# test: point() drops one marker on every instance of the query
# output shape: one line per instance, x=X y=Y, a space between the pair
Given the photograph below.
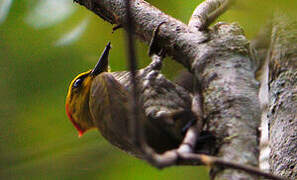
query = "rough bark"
x=230 y=98
x=283 y=98
x=221 y=61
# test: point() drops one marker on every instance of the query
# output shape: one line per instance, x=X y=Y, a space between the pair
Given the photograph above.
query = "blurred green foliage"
x=37 y=141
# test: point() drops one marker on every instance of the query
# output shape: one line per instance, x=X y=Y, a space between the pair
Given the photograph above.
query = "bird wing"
x=110 y=109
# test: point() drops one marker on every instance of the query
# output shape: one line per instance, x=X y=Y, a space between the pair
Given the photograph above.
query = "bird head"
x=77 y=100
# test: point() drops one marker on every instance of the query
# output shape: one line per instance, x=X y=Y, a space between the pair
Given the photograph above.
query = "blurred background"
x=44 y=44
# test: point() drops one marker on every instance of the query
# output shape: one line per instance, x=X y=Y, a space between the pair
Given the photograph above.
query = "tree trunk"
x=230 y=103
x=283 y=98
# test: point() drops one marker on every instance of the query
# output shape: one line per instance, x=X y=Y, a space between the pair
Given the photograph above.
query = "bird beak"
x=102 y=64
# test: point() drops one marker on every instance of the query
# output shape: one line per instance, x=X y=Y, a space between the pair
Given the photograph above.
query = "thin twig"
x=218 y=12
x=207 y=12
x=135 y=124
x=184 y=156
x=214 y=161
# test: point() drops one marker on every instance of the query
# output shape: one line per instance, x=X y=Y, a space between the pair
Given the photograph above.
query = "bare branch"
x=207 y=12
x=184 y=156
x=174 y=36
x=214 y=161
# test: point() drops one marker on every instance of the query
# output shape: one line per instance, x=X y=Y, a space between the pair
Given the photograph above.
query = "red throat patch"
x=80 y=131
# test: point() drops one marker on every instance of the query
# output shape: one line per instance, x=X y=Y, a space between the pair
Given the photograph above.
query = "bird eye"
x=77 y=83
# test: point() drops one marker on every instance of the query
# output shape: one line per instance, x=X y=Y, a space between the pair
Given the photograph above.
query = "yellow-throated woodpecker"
x=100 y=99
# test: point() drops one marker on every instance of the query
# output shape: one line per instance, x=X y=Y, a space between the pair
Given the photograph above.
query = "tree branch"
x=207 y=12
x=184 y=156
x=175 y=37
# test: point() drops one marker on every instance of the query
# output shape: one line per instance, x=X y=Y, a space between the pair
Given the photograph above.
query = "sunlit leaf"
x=73 y=35
x=4 y=9
x=47 y=13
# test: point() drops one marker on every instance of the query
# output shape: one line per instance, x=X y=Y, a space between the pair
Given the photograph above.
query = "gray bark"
x=230 y=98
x=283 y=98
